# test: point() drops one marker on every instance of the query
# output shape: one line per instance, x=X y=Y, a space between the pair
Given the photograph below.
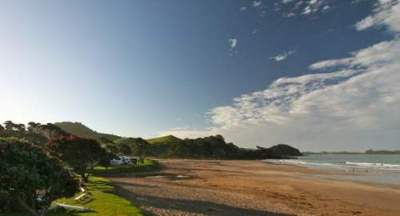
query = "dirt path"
x=191 y=187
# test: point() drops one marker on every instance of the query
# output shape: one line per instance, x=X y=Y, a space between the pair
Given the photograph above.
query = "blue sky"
x=144 y=68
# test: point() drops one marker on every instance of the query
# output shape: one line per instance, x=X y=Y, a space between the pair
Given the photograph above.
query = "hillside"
x=81 y=130
x=212 y=147
x=165 y=140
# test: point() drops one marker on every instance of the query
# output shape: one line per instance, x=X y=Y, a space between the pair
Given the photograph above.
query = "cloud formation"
x=302 y=7
x=351 y=104
x=232 y=43
x=257 y=3
x=314 y=6
x=387 y=13
x=283 y=56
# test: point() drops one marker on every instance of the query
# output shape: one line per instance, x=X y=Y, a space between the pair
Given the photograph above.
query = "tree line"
x=211 y=147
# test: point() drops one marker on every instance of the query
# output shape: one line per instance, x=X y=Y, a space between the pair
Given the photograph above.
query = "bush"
x=30 y=178
x=79 y=153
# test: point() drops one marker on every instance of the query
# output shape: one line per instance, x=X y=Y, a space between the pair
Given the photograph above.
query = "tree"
x=105 y=160
x=20 y=128
x=51 y=131
x=30 y=178
x=111 y=147
x=9 y=126
x=33 y=126
x=80 y=153
x=125 y=149
x=139 y=148
x=133 y=146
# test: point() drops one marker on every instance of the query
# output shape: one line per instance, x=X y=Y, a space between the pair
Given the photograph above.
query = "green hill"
x=81 y=130
x=165 y=140
x=212 y=147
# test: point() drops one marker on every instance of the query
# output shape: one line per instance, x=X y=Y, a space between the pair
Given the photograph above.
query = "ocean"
x=375 y=168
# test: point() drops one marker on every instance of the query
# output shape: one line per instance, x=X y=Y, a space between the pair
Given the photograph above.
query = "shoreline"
x=214 y=187
x=369 y=175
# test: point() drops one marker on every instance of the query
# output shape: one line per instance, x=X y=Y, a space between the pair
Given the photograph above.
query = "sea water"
x=376 y=168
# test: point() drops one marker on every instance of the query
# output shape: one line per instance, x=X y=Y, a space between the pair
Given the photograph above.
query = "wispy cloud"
x=313 y=6
x=303 y=7
x=286 y=1
x=352 y=107
x=232 y=43
x=387 y=13
x=283 y=56
x=257 y=3
x=331 y=63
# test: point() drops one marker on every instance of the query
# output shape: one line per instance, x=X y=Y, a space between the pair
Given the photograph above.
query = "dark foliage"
x=35 y=132
x=212 y=147
x=30 y=178
x=79 y=153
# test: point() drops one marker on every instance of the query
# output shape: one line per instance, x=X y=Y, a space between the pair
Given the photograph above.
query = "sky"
x=315 y=74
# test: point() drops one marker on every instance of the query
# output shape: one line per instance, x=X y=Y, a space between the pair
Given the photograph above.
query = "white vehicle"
x=121 y=160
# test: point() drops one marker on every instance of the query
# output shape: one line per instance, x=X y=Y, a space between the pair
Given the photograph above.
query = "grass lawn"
x=102 y=201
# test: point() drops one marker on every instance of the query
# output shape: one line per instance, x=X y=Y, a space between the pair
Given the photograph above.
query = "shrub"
x=30 y=178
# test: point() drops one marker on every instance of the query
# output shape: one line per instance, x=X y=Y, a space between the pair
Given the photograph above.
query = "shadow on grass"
x=100 y=186
x=191 y=206
x=121 y=183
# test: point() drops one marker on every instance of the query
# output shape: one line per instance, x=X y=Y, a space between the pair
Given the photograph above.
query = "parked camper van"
x=121 y=160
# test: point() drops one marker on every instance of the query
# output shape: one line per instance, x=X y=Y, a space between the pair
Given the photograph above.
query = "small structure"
x=121 y=160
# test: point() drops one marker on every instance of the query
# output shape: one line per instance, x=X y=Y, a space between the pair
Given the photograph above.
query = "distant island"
x=370 y=151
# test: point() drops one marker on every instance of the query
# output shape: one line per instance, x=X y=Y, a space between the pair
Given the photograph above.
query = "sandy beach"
x=214 y=187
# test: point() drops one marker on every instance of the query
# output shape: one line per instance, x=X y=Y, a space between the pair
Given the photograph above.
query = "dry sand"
x=214 y=187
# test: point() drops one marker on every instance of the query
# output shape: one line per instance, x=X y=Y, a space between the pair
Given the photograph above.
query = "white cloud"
x=286 y=1
x=365 y=23
x=314 y=6
x=326 y=7
x=330 y=63
x=354 y=107
x=257 y=3
x=303 y=7
x=386 y=13
x=232 y=43
x=243 y=8
x=283 y=56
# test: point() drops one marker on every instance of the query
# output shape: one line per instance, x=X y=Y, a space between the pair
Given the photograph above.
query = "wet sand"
x=214 y=187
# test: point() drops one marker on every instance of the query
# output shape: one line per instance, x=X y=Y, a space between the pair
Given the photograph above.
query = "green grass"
x=146 y=166
x=102 y=202
x=164 y=140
